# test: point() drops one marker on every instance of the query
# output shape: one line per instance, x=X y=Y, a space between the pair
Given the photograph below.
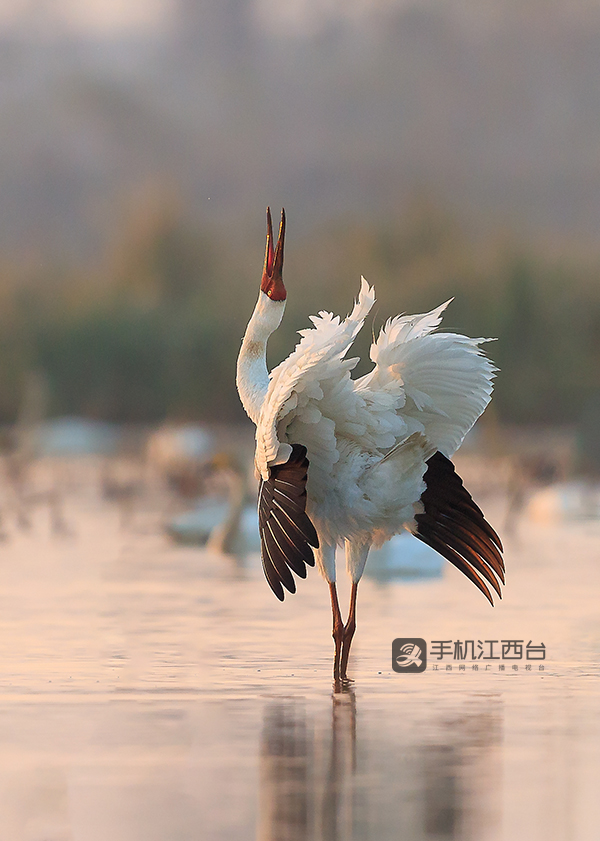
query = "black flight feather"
x=286 y=532
x=454 y=526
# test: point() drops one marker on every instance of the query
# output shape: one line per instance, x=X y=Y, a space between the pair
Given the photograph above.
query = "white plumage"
x=368 y=440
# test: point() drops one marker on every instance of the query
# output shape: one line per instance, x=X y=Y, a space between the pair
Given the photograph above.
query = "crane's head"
x=272 y=277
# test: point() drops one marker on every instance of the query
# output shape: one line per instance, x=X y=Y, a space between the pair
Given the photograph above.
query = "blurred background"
x=440 y=149
x=151 y=689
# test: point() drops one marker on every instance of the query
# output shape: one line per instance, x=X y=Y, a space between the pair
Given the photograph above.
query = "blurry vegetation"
x=153 y=331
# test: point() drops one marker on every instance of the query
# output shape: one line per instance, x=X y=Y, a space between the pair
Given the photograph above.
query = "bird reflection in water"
x=307 y=786
x=425 y=780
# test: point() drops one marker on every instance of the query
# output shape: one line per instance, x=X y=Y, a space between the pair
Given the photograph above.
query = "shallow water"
x=159 y=693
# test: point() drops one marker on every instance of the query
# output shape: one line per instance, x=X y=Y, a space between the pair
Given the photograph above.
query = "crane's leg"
x=325 y=557
x=349 y=629
x=338 y=629
x=356 y=558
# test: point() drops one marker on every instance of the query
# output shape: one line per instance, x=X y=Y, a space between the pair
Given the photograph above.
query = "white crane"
x=355 y=461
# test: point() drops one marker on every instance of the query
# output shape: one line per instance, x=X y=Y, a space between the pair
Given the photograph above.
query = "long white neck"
x=252 y=374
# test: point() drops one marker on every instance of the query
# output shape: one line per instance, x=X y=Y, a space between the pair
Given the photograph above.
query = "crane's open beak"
x=272 y=277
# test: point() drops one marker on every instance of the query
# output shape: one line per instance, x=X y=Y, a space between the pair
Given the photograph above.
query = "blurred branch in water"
x=152 y=330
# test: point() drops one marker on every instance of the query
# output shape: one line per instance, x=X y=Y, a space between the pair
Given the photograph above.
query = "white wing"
x=442 y=381
x=313 y=389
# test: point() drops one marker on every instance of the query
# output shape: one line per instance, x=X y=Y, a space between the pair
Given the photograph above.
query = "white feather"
x=316 y=357
x=446 y=380
x=368 y=439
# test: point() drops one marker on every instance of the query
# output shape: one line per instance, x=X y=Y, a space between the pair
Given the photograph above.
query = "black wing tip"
x=286 y=531
x=279 y=593
x=274 y=583
x=455 y=527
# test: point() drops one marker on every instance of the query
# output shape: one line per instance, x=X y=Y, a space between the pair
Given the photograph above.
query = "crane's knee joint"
x=349 y=630
x=338 y=632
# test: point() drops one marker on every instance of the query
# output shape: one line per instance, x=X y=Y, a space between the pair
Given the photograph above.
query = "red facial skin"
x=272 y=280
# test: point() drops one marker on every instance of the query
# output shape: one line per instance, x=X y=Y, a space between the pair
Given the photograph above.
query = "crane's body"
x=352 y=462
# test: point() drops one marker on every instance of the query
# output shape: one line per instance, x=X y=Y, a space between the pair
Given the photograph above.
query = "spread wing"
x=286 y=532
x=442 y=381
x=454 y=526
x=313 y=386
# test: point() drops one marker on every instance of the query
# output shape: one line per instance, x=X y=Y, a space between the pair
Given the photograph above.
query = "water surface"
x=150 y=692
